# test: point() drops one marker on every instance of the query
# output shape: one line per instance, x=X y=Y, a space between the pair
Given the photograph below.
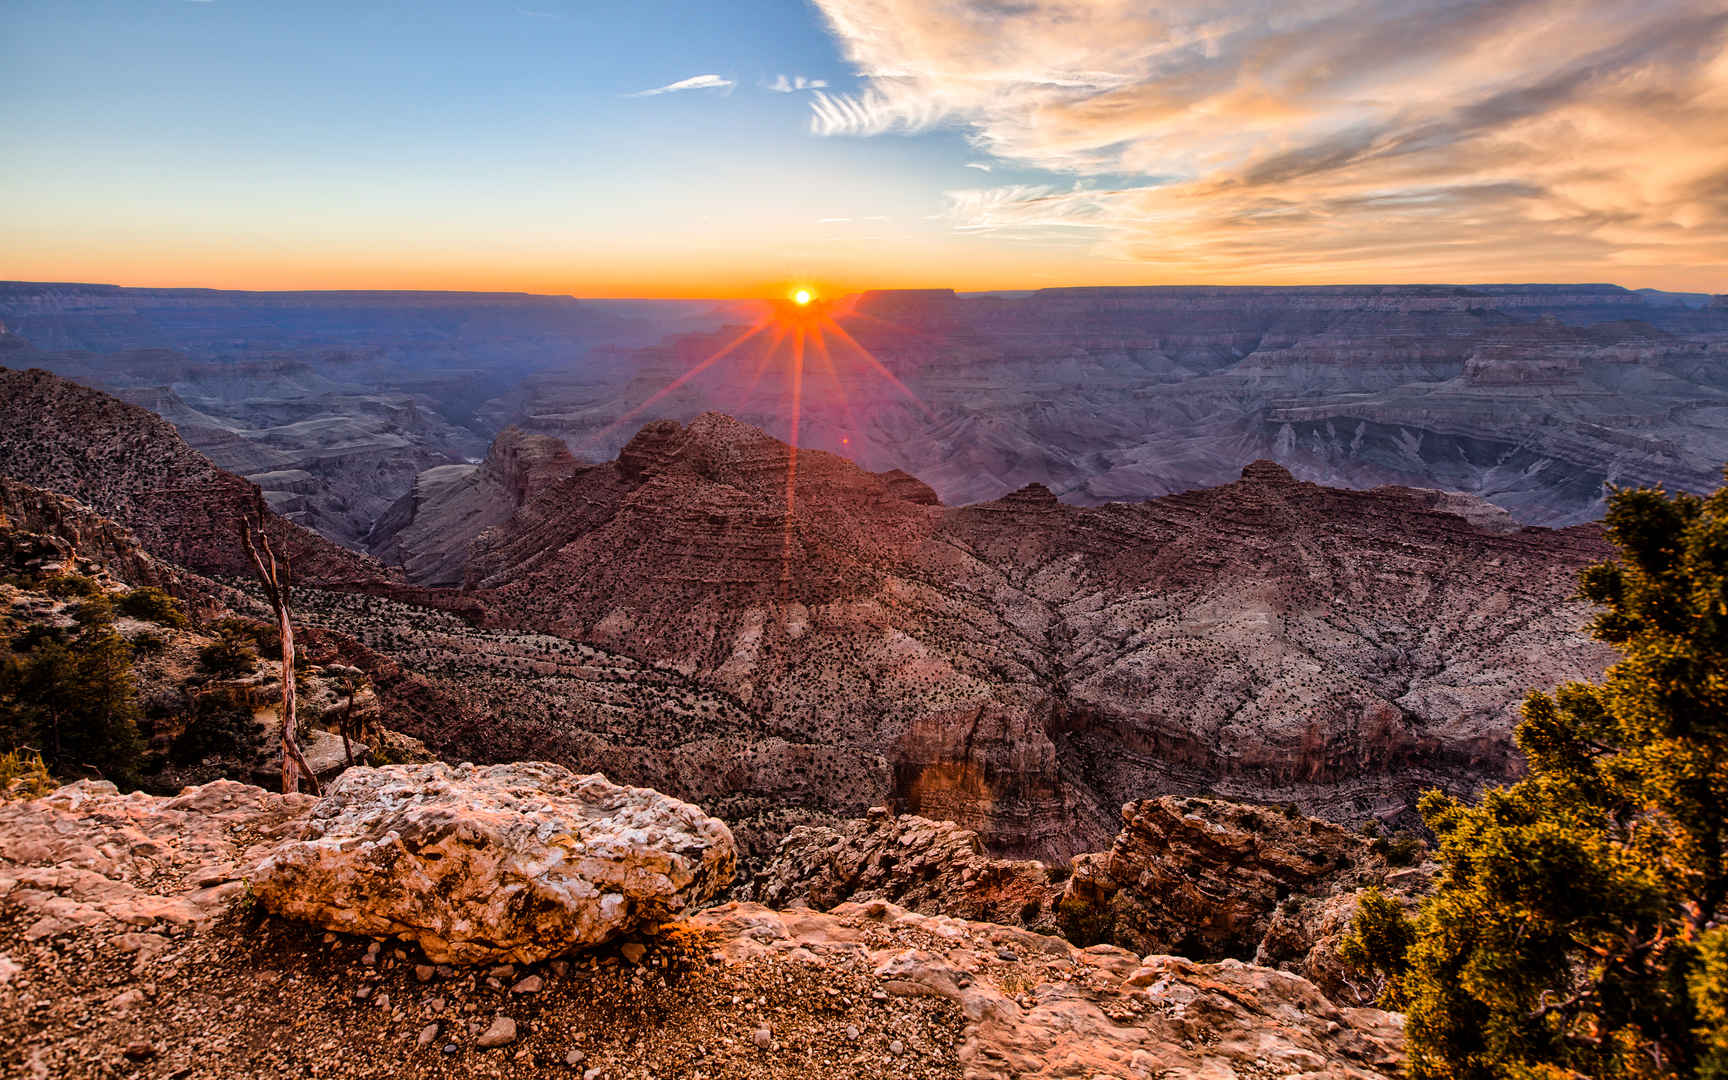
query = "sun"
x=802 y=297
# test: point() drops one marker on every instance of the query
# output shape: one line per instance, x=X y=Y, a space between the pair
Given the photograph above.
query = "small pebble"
x=139 y=1051
x=424 y=972
x=501 y=1033
x=427 y=1034
x=763 y=1037
x=633 y=951
x=529 y=985
x=896 y=1048
x=575 y=1058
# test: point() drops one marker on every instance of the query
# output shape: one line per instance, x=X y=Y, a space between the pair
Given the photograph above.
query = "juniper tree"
x=1577 y=928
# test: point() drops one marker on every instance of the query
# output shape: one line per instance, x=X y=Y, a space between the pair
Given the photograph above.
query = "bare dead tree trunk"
x=273 y=577
x=348 y=722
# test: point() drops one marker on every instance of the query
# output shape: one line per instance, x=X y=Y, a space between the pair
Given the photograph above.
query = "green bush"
x=98 y=610
x=222 y=724
x=1578 y=925
x=24 y=775
x=227 y=657
x=66 y=585
x=74 y=704
x=152 y=605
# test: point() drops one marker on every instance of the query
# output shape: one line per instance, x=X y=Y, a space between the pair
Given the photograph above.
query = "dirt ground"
x=254 y=997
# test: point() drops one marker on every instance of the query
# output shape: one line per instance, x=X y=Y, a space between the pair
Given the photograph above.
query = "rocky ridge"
x=1030 y=665
x=130 y=465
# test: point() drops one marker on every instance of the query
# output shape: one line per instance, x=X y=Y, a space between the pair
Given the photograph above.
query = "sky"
x=671 y=148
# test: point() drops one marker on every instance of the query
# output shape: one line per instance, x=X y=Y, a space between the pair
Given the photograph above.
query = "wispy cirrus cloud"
x=792 y=84
x=694 y=82
x=1313 y=138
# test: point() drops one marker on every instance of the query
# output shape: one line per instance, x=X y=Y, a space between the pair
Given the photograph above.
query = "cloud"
x=783 y=84
x=981 y=166
x=1317 y=138
x=694 y=82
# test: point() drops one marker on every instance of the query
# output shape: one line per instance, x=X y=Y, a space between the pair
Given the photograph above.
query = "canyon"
x=1533 y=397
x=1021 y=667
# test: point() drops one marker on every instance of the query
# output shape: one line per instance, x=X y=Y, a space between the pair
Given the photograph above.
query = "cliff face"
x=428 y=531
x=131 y=465
x=1024 y=666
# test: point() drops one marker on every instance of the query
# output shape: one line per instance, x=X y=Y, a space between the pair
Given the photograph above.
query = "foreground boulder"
x=514 y=862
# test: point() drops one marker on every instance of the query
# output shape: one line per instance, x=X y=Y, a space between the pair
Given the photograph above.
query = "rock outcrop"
x=500 y=863
x=134 y=866
x=1211 y=879
x=934 y=867
x=127 y=943
x=1039 y=1008
x=1202 y=878
x=428 y=531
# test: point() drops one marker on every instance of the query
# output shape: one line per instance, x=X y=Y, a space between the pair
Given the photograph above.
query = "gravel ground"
x=255 y=997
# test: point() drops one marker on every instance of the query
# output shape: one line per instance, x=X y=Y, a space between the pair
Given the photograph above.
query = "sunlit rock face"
x=1025 y=666
x=508 y=863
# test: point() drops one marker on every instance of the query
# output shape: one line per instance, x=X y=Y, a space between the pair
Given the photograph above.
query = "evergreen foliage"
x=1576 y=929
x=73 y=704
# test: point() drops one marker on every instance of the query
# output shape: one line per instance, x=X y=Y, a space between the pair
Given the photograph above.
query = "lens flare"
x=797 y=336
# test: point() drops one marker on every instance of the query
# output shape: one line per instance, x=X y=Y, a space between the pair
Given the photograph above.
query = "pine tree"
x=1577 y=928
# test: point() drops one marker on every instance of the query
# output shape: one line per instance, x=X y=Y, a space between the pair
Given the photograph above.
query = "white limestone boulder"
x=513 y=862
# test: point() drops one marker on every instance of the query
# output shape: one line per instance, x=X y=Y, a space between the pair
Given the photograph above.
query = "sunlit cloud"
x=981 y=166
x=784 y=84
x=1314 y=138
x=694 y=82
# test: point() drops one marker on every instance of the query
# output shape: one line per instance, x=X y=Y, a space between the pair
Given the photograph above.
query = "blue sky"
x=296 y=143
